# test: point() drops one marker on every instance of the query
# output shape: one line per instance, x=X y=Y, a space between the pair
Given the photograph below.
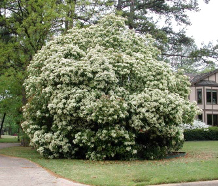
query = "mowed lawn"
x=9 y=139
x=200 y=163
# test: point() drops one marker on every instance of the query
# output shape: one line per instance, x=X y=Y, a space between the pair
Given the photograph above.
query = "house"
x=204 y=90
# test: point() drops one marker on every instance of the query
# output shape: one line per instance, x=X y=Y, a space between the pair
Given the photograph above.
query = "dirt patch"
x=202 y=155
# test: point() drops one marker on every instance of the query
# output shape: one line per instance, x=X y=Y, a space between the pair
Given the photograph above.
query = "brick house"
x=204 y=90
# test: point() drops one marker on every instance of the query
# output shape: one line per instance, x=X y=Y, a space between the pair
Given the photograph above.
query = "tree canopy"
x=32 y=23
x=11 y=97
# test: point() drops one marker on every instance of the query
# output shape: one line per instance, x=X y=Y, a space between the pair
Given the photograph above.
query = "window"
x=211 y=96
x=209 y=119
x=212 y=119
x=199 y=96
x=200 y=117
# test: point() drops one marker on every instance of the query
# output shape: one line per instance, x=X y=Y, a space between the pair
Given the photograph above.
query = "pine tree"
x=158 y=19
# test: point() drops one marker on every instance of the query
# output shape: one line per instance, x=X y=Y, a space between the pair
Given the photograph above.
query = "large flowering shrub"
x=100 y=93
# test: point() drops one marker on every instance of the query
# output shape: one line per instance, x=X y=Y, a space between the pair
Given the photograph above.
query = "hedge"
x=201 y=134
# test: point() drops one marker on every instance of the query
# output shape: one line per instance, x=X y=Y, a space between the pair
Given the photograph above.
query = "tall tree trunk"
x=24 y=99
x=70 y=14
x=131 y=14
x=18 y=134
x=119 y=5
x=3 y=119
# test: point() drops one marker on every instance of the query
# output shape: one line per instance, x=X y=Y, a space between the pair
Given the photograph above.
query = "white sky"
x=204 y=26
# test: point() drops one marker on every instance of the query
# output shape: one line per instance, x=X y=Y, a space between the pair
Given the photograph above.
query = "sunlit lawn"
x=8 y=139
x=200 y=163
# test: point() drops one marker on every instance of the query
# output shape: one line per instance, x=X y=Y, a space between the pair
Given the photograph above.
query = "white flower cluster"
x=195 y=125
x=99 y=93
x=107 y=142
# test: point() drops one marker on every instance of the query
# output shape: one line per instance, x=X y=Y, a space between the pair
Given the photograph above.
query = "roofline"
x=204 y=76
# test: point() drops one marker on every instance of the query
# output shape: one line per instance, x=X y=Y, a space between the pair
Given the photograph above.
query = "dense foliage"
x=198 y=130
x=100 y=93
x=201 y=134
x=24 y=28
x=10 y=101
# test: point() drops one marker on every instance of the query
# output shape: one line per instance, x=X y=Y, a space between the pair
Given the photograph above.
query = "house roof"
x=207 y=83
x=191 y=76
x=199 y=79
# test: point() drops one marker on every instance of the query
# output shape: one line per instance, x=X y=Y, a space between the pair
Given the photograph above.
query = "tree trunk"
x=119 y=4
x=18 y=134
x=70 y=14
x=131 y=14
x=24 y=99
x=3 y=119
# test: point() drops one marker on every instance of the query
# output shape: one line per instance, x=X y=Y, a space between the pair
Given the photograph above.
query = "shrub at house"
x=201 y=134
x=199 y=131
x=195 y=125
x=99 y=93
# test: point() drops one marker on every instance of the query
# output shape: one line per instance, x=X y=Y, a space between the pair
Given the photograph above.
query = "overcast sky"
x=204 y=26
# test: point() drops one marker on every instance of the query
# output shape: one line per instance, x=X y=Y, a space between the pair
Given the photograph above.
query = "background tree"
x=29 y=24
x=207 y=56
x=159 y=18
x=11 y=97
x=25 y=27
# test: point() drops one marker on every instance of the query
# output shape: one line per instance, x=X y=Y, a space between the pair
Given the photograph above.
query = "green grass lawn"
x=8 y=139
x=200 y=163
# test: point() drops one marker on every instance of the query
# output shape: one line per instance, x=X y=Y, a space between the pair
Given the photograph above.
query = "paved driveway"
x=22 y=172
x=200 y=183
x=5 y=145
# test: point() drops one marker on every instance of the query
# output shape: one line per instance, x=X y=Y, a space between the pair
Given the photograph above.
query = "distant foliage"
x=99 y=93
x=201 y=134
x=198 y=130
